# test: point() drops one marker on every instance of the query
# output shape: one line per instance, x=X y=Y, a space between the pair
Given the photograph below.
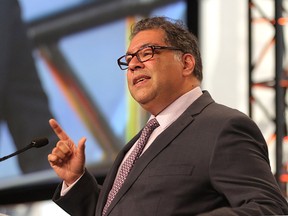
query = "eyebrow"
x=142 y=46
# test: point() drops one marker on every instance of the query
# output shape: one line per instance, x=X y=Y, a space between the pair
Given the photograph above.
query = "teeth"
x=140 y=80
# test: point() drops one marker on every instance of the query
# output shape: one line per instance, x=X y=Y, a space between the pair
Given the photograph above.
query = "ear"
x=188 y=64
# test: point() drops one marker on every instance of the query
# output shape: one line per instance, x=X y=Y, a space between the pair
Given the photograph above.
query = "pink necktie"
x=129 y=162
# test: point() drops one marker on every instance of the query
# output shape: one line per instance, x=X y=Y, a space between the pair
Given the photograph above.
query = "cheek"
x=128 y=78
x=170 y=82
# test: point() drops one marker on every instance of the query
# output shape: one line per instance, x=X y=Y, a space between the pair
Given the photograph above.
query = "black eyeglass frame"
x=124 y=65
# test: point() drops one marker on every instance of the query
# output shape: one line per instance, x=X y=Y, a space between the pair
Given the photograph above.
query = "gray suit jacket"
x=211 y=160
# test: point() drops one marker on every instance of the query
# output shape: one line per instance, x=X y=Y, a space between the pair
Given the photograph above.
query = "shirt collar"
x=175 y=109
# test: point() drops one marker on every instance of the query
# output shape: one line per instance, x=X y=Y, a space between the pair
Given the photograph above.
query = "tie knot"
x=152 y=124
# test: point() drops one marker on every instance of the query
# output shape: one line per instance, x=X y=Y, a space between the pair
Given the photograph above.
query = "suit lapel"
x=164 y=139
x=156 y=147
x=109 y=180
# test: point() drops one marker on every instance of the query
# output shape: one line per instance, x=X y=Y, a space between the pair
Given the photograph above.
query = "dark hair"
x=177 y=35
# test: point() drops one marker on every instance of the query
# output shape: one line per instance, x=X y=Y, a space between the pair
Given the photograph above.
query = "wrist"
x=74 y=179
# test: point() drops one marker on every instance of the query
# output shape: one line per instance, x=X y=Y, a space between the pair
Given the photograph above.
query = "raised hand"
x=67 y=159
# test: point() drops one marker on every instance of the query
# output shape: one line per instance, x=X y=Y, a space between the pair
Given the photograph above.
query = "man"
x=203 y=158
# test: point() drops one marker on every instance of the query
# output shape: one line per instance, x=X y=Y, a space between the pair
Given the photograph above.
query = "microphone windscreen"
x=39 y=142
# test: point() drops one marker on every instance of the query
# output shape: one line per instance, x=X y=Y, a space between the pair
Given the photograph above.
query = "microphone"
x=36 y=143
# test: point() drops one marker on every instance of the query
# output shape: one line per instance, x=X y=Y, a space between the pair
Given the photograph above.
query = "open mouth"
x=140 y=79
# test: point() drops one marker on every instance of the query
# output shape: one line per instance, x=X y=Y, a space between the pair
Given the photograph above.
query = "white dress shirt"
x=169 y=115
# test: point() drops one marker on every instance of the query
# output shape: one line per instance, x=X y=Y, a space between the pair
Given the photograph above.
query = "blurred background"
x=73 y=77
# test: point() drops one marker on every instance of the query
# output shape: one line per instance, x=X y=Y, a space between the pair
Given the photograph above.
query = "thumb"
x=81 y=146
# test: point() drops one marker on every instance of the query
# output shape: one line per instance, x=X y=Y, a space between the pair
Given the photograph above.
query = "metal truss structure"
x=268 y=75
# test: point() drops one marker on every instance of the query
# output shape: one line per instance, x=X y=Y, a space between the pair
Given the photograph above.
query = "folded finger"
x=54 y=160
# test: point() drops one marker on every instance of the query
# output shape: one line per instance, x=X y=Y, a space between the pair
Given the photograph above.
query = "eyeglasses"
x=143 y=55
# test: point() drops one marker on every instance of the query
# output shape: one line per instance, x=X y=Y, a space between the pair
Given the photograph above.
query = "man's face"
x=156 y=83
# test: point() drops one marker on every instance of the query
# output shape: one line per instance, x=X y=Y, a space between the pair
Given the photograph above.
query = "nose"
x=135 y=64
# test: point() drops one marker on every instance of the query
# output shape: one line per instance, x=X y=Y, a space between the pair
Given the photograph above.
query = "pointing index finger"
x=58 y=130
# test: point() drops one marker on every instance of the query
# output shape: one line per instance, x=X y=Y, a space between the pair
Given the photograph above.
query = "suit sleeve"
x=81 y=199
x=240 y=171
